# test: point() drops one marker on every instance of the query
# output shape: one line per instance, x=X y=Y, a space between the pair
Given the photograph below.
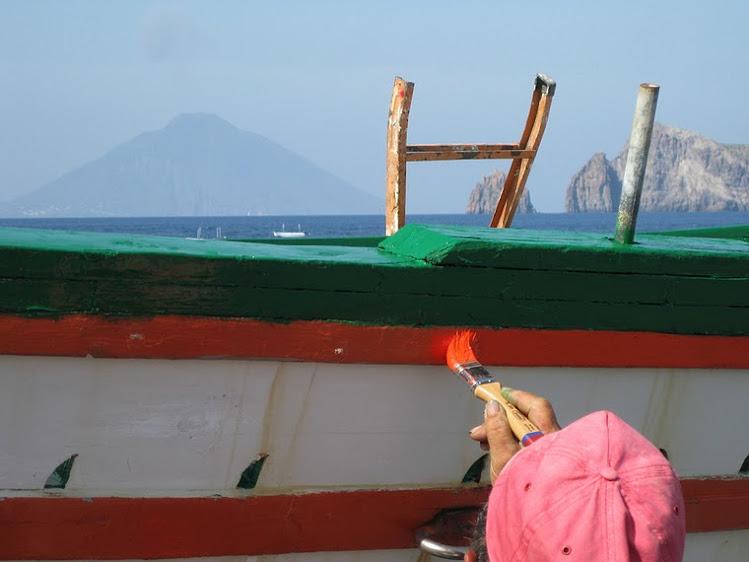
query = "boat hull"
x=166 y=399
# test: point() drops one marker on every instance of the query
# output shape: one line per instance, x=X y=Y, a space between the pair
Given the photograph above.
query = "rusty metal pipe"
x=637 y=159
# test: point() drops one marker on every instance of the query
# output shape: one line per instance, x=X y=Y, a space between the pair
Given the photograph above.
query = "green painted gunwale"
x=423 y=275
x=730 y=232
x=568 y=251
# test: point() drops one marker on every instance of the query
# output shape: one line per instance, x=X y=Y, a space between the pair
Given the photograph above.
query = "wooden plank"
x=413 y=148
x=33 y=253
x=569 y=251
x=408 y=308
x=189 y=337
x=427 y=275
x=716 y=504
x=531 y=139
x=511 y=284
x=395 y=182
x=121 y=528
x=33 y=528
x=469 y=155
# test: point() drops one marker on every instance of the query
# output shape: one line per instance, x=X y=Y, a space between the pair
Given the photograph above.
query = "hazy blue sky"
x=78 y=77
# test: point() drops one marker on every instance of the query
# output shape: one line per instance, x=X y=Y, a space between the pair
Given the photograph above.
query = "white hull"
x=195 y=425
x=158 y=428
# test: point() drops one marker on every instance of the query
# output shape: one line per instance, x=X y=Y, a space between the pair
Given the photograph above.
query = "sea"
x=338 y=226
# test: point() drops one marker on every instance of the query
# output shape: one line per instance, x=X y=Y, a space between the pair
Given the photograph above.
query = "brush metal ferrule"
x=474 y=374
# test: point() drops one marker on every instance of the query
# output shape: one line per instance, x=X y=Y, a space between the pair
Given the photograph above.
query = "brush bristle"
x=459 y=351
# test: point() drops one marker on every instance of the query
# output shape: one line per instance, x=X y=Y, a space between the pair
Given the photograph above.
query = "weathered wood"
x=531 y=139
x=424 y=275
x=395 y=181
x=462 y=147
x=469 y=155
x=522 y=153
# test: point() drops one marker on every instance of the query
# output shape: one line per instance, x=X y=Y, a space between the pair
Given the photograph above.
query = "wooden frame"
x=521 y=153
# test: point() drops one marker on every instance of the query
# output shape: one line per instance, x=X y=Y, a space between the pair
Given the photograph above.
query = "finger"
x=502 y=443
x=537 y=408
x=478 y=433
x=497 y=426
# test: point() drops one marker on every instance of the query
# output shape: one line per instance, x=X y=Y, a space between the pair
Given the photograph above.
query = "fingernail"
x=474 y=430
x=506 y=391
x=492 y=408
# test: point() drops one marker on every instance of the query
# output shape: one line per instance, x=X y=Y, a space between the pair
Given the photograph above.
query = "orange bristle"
x=459 y=351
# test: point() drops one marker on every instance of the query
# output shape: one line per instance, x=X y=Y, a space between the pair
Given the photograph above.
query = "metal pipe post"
x=637 y=159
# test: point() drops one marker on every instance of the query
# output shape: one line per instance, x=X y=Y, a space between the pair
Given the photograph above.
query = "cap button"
x=609 y=473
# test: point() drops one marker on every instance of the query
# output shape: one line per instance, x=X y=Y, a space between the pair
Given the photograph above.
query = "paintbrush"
x=463 y=362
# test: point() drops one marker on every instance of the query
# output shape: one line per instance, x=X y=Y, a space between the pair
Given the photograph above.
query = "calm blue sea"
x=335 y=226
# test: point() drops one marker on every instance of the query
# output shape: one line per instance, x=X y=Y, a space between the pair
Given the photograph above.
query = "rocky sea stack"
x=484 y=197
x=686 y=172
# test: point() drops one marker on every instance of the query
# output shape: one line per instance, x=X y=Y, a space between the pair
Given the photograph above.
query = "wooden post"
x=637 y=159
x=395 y=204
x=535 y=125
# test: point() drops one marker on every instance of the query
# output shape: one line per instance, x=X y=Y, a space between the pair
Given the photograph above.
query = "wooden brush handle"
x=525 y=430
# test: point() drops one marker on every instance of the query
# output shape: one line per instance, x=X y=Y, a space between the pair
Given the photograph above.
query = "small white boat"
x=283 y=233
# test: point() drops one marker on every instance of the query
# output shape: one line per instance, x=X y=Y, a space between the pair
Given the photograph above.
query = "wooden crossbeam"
x=425 y=152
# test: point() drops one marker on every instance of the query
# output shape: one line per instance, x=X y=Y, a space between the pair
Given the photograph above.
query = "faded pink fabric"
x=595 y=491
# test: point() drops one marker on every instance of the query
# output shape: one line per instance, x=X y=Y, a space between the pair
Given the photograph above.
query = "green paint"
x=249 y=477
x=568 y=251
x=423 y=275
x=60 y=476
x=506 y=391
x=729 y=232
x=475 y=471
x=94 y=245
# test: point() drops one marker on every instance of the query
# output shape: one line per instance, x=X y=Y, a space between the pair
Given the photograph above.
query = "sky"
x=79 y=77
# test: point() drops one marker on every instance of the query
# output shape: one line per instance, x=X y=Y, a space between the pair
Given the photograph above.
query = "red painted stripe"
x=185 y=337
x=119 y=528
x=112 y=528
x=715 y=504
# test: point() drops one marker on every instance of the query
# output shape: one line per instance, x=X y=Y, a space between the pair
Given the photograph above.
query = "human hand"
x=495 y=434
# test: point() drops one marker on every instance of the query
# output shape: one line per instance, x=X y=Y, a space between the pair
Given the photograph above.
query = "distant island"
x=686 y=172
x=198 y=165
x=484 y=197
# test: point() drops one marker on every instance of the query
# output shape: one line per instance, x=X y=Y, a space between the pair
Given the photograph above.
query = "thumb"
x=502 y=442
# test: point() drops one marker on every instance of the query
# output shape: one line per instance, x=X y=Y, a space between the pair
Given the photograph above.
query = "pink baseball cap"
x=596 y=490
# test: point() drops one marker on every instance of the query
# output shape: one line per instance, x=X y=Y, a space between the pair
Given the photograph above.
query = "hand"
x=495 y=434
